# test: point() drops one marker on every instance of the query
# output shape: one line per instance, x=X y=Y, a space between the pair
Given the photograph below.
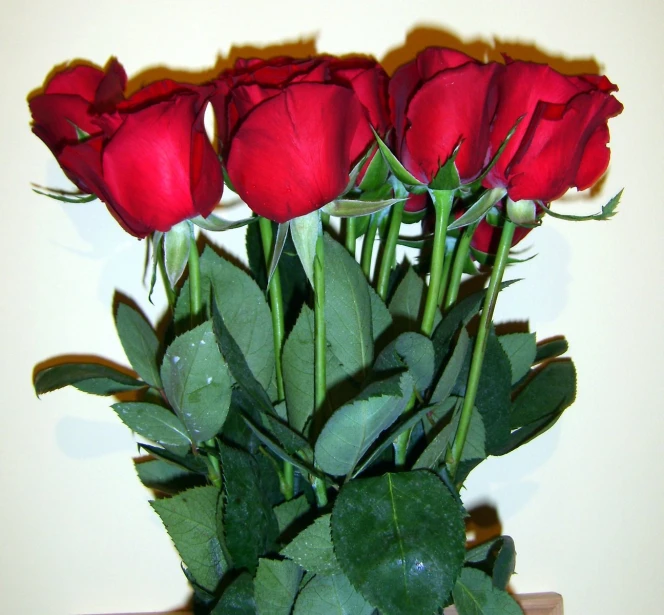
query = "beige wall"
x=584 y=503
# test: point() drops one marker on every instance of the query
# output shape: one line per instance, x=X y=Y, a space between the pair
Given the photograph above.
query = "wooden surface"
x=532 y=604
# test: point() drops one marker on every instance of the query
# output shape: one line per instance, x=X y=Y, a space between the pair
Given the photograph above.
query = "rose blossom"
x=561 y=140
x=439 y=101
x=148 y=158
x=291 y=130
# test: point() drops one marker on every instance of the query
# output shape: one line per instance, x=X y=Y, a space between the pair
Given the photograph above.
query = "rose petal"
x=292 y=154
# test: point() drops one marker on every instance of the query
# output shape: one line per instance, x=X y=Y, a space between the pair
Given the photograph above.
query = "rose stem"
x=278 y=327
x=389 y=250
x=195 y=305
x=368 y=245
x=442 y=202
x=453 y=456
x=460 y=256
x=351 y=236
x=320 y=377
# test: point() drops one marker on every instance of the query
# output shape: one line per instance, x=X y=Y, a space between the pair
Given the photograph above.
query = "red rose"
x=291 y=130
x=442 y=99
x=561 y=142
x=148 y=158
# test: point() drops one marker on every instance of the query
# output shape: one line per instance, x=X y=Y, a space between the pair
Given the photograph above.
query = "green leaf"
x=312 y=548
x=279 y=450
x=167 y=478
x=381 y=319
x=375 y=175
x=452 y=369
x=551 y=390
x=411 y=350
x=305 y=231
x=407 y=304
x=191 y=462
x=494 y=393
x=608 y=211
x=291 y=440
x=280 y=240
x=216 y=224
x=505 y=563
x=67 y=197
x=238 y=598
x=275 y=586
x=87 y=377
x=251 y=389
x=140 y=343
x=289 y=512
x=347 y=310
x=350 y=208
x=331 y=595
x=550 y=349
x=176 y=250
x=197 y=382
x=473 y=448
x=298 y=370
x=244 y=309
x=190 y=518
x=478 y=209
x=353 y=428
x=520 y=349
x=397 y=168
x=400 y=539
x=155 y=423
x=447 y=176
x=474 y=594
x=250 y=526
x=387 y=440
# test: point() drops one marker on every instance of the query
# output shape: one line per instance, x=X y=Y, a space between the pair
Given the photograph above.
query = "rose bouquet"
x=309 y=421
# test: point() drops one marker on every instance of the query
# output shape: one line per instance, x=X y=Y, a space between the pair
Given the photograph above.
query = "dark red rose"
x=561 y=142
x=148 y=158
x=442 y=99
x=487 y=237
x=291 y=130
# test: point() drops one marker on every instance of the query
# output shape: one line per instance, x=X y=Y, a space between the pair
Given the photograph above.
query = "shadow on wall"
x=417 y=40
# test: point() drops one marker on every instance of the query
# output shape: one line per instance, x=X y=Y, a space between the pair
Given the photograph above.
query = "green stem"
x=320 y=377
x=445 y=276
x=278 y=329
x=389 y=250
x=442 y=202
x=460 y=256
x=351 y=235
x=195 y=302
x=455 y=451
x=320 y=351
x=368 y=246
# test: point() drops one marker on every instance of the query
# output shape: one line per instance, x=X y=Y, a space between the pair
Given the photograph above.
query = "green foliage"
x=190 y=518
x=238 y=598
x=165 y=477
x=347 y=310
x=521 y=350
x=475 y=594
x=407 y=303
x=243 y=307
x=352 y=429
x=249 y=523
x=155 y=423
x=400 y=540
x=312 y=548
x=324 y=595
x=176 y=250
x=87 y=377
x=275 y=586
x=197 y=382
x=140 y=343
